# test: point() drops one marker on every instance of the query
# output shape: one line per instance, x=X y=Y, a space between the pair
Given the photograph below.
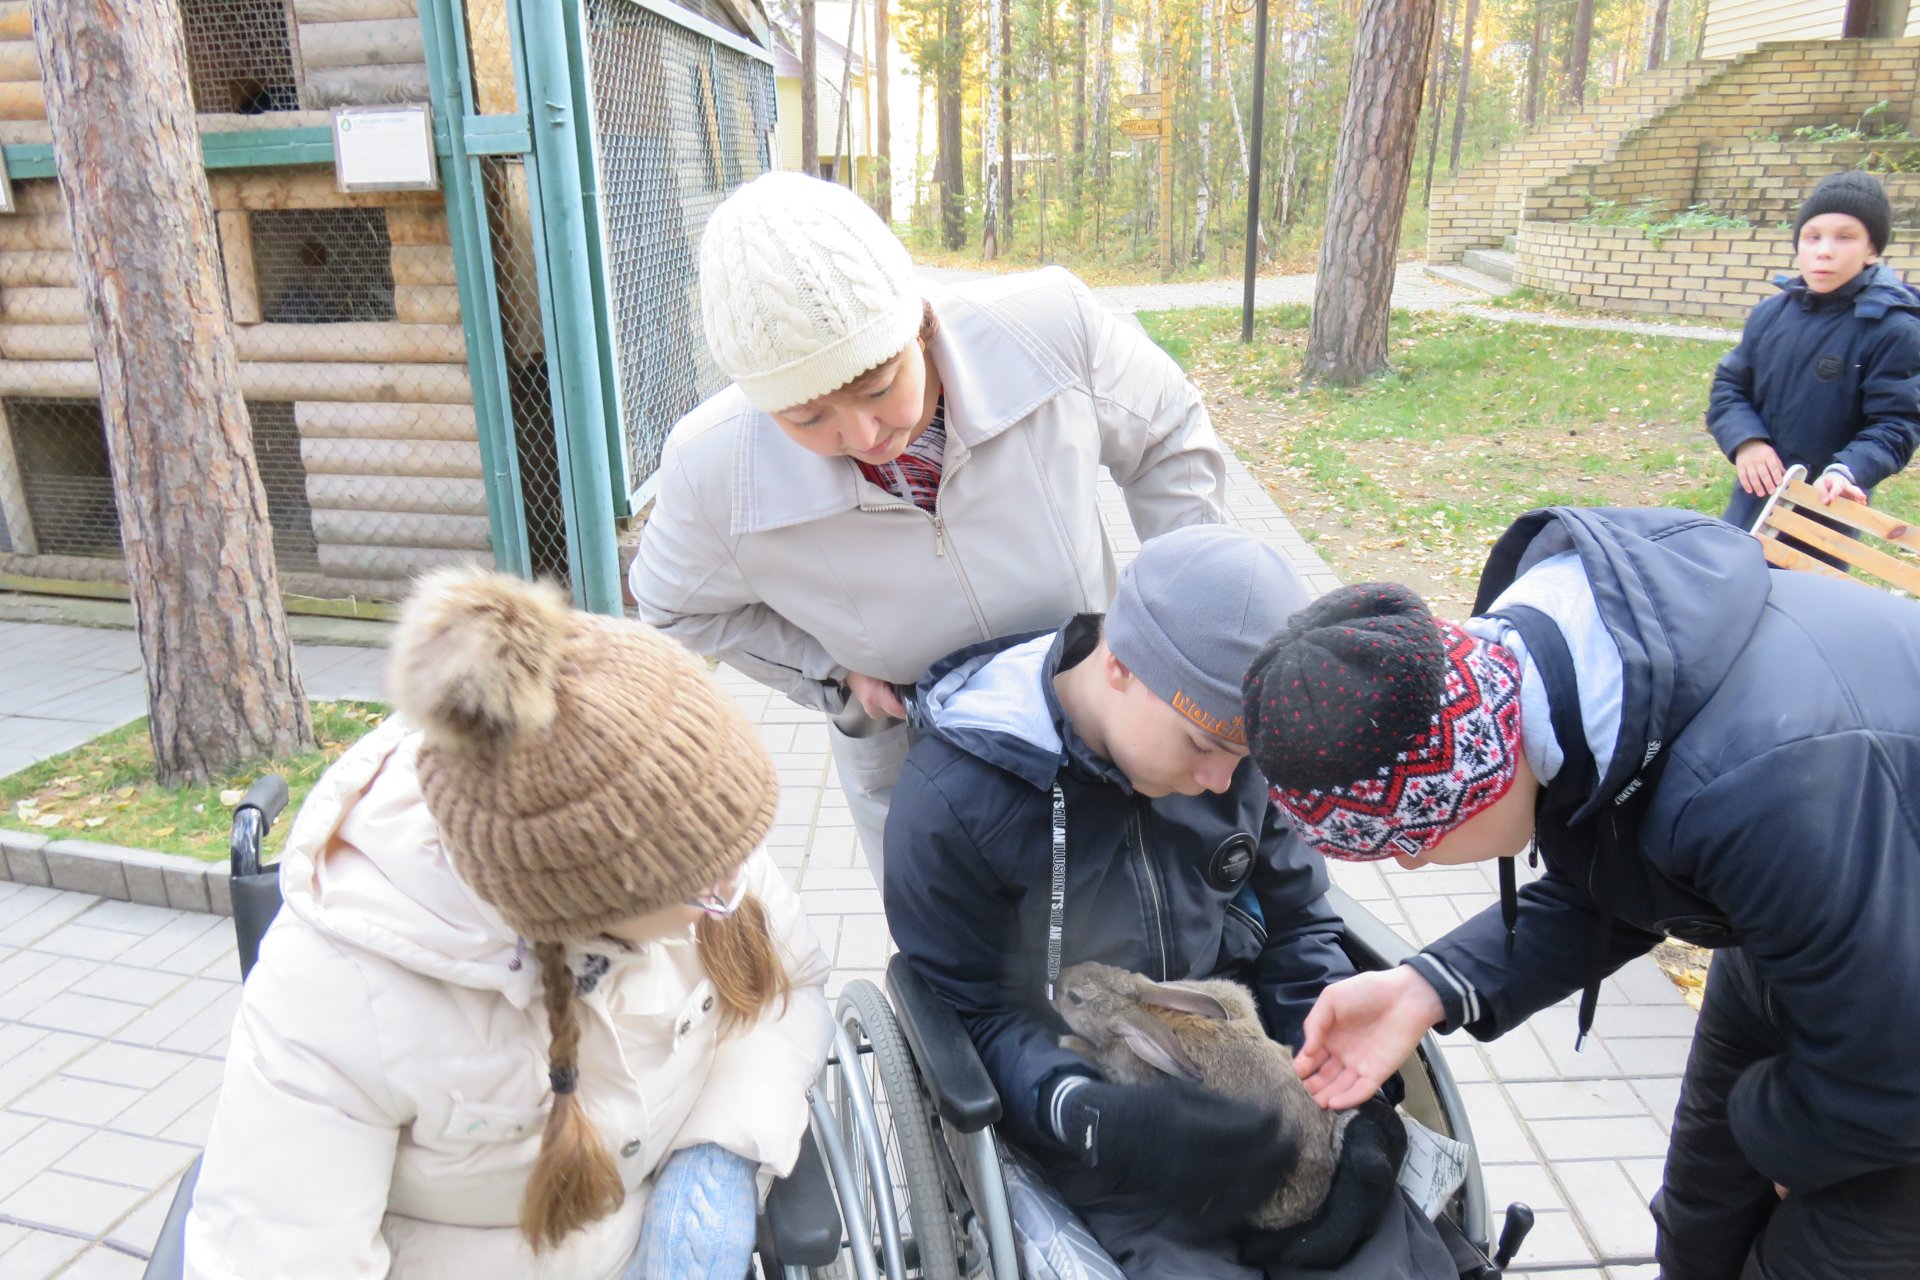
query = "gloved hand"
x=1364 y=1182
x=1209 y=1160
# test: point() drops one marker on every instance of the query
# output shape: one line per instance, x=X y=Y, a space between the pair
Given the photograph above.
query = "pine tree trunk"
x=1347 y=338
x=1466 y=84
x=1578 y=52
x=1006 y=121
x=953 y=174
x=1536 y=59
x=222 y=686
x=1102 y=97
x=1437 y=91
x=990 y=148
x=1202 y=189
x=1079 y=98
x=843 y=114
x=1262 y=251
x=883 y=143
x=1657 y=35
x=809 y=92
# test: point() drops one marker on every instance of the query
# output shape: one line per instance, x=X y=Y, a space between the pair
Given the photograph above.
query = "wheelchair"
x=799 y=1224
x=904 y=1114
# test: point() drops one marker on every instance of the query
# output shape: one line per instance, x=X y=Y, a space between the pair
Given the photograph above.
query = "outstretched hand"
x=1834 y=485
x=1360 y=1032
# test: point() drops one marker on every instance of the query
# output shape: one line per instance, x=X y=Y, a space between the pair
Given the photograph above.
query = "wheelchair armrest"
x=802 y=1217
x=169 y=1258
x=949 y=1064
x=1370 y=941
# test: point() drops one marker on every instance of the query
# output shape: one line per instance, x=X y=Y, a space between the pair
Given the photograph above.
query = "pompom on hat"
x=803 y=289
x=583 y=770
x=1380 y=728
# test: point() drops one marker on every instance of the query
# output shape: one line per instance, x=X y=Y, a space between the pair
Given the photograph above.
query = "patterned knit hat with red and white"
x=1381 y=728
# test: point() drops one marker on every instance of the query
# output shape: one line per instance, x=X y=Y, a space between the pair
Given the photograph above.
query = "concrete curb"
x=114 y=871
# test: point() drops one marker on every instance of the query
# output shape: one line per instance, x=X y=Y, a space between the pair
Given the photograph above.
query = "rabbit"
x=1136 y=1030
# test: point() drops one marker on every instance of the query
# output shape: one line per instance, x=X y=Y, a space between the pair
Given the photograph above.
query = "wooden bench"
x=1897 y=566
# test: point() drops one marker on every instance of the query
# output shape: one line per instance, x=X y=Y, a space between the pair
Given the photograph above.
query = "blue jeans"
x=700 y=1215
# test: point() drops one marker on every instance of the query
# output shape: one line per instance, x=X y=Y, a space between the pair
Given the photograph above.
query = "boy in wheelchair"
x=1086 y=795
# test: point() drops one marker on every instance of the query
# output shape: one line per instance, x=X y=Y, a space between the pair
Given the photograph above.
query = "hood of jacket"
x=364 y=865
x=1876 y=291
x=980 y=699
x=1679 y=592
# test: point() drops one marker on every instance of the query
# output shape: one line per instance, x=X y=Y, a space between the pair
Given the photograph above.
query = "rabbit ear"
x=1154 y=1043
x=1161 y=995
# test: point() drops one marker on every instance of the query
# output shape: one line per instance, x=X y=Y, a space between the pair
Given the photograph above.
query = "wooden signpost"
x=1153 y=118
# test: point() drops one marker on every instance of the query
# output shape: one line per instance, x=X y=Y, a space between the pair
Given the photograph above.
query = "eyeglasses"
x=719 y=905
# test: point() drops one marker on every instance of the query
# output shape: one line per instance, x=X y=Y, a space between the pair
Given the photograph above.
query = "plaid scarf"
x=914 y=476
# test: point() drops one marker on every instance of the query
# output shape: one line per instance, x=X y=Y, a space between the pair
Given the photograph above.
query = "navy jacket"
x=1763 y=792
x=1825 y=378
x=1179 y=887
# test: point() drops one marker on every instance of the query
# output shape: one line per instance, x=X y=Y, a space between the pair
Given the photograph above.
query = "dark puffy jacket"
x=1825 y=378
x=1179 y=887
x=1763 y=792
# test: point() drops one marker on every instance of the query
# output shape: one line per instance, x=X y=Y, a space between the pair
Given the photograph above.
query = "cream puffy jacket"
x=793 y=569
x=386 y=1084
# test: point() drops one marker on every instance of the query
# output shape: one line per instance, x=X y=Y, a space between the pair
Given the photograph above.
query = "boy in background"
x=1827 y=372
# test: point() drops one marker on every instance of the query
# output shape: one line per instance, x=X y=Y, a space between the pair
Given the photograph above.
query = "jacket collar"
x=993 y=370
x=1873 y=293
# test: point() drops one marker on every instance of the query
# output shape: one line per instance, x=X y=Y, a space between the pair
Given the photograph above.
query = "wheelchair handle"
x=252 y=818
x=1512 y=1233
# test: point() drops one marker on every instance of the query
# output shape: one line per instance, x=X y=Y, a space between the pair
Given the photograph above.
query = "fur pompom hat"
x=803 y=289
x=583 y=770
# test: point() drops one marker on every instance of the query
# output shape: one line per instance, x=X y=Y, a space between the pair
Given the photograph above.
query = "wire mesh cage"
x=352 y=360
x=679 y=120
x=240 y=57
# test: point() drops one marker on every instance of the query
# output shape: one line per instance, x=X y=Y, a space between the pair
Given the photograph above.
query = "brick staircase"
x=1645 y=141
x=1481 y=206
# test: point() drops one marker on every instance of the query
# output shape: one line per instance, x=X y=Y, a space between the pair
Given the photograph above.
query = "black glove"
x=1364 y=1183
x=1209 y=1159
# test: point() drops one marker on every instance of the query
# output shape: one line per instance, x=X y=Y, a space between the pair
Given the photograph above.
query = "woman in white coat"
x=899 y=469
x=535 y=989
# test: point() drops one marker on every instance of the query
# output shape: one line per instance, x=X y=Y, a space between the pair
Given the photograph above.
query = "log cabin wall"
x=346 y=311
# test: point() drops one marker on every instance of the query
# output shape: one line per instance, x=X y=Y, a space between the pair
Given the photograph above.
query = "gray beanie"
x=1192 y=611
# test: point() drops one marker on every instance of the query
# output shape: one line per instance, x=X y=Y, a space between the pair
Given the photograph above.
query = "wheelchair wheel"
x=930 y=1244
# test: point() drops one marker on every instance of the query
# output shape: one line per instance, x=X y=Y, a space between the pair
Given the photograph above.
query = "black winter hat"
x=1854 y=192
x=1353 y=681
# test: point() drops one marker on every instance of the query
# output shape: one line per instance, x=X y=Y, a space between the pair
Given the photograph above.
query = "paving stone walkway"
x=113 y=1017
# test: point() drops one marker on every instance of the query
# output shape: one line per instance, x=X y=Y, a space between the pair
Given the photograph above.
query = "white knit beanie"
x=802 y=289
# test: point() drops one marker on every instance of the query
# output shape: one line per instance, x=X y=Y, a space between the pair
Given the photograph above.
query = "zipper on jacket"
x=1156 y=907
x=940 y=547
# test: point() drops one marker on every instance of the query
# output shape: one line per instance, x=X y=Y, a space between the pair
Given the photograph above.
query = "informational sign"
x=384 y=148
x=1141 y=101
x=1141 y=128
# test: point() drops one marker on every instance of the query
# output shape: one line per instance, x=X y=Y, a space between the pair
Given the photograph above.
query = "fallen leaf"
x=96 y=822
x=231 y=798
x=49 y=820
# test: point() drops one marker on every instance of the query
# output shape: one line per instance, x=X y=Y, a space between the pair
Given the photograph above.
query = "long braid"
x=574 y=1180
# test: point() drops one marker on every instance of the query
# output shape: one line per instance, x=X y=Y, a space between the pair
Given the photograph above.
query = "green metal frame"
x=549 y=61
x=444 y=35
x=546 y=47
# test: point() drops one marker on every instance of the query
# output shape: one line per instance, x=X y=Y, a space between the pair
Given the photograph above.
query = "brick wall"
x=1647 y=142
x=1720 y=273
x=1765 y=182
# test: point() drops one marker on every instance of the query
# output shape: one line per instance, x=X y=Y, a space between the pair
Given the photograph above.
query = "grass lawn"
x=1411 y=477
x=104 y=790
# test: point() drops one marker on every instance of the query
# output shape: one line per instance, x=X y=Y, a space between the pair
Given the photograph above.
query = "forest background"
x=1018 y=109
